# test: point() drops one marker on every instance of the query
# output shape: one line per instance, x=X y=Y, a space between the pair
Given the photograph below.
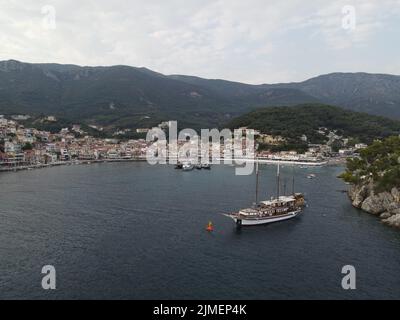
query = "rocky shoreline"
x=385 y=205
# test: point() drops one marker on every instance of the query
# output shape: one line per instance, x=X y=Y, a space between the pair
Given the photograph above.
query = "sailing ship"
x=279 y=209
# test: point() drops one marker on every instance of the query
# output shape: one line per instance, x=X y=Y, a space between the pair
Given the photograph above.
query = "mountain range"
x=123 y=96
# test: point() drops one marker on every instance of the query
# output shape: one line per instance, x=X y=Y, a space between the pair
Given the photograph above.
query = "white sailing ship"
x=279 y=209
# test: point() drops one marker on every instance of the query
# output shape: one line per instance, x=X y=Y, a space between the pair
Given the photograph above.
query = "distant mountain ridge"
x=123 y=96
x=377 y=94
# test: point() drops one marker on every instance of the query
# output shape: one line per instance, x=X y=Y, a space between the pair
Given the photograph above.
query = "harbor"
x=132 y=228
x=24 y=148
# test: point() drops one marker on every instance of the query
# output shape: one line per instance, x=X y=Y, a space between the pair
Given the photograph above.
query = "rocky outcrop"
x=385 y=215
x=358 y=195
x=396 y=194
x=393 y=221
x=377 y=203
x=386 y=205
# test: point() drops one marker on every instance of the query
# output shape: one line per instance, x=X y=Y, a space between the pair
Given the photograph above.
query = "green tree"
x=379 y=162
x=336 y=145
x=27 y=146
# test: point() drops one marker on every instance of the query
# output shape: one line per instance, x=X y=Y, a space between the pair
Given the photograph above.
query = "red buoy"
x=210 y=227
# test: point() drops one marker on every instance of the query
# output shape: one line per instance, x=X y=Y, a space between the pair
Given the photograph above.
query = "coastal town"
x=25 y=148
x=22 y=147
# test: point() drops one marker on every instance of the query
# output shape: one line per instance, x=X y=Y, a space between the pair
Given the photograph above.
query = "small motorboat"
x=206 y=166
x=179 y=166
x=187 y=167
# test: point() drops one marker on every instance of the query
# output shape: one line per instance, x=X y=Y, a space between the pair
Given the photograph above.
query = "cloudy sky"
x=254 y=41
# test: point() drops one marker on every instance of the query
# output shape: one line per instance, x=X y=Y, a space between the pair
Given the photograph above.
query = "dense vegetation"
x=55 y=127
x=128 y=97
x=292 y=122
x=379 y=163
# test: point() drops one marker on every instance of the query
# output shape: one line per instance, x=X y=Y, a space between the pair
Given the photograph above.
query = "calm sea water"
x=134 y=231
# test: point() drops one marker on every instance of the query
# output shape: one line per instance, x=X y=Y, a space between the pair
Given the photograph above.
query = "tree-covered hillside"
x=127 y=97
x=292 y=122
x=379 y=163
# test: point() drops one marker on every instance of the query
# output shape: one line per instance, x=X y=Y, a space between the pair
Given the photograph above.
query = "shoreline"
x=65 y=163
x=384 y=205
x=328 y=162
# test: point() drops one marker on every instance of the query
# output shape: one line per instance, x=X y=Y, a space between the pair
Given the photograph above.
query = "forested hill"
x=378 y=163
x=130 y=97
x=293 y=122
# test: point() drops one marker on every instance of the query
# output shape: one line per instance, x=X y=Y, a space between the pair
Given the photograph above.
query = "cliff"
x=375 y=179
x=386 y=204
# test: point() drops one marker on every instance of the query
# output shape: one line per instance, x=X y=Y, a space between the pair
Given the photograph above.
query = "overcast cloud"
x=255 y=41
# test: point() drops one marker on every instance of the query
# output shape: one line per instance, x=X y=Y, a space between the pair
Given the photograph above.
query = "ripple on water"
x=128 y=230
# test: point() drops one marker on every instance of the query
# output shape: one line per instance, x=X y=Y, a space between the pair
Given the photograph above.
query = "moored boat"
x=279 y=209
x=179 y=166
x=187 y=167
x=284 y=208
x=206 y=166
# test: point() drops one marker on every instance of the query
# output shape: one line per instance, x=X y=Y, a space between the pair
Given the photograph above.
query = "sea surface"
x=135 y=231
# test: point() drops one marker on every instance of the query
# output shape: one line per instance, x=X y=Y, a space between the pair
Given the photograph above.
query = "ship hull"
x=188 y=167
x=262 y=221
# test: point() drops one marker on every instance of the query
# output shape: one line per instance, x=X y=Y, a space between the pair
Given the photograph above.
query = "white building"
x=11 y=147
x=64 y=154
x=360 y=146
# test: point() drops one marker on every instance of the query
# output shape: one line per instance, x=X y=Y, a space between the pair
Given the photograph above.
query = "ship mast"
x=293 y=184
x=278 y=183
x=257 y=178
x=284 y=186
